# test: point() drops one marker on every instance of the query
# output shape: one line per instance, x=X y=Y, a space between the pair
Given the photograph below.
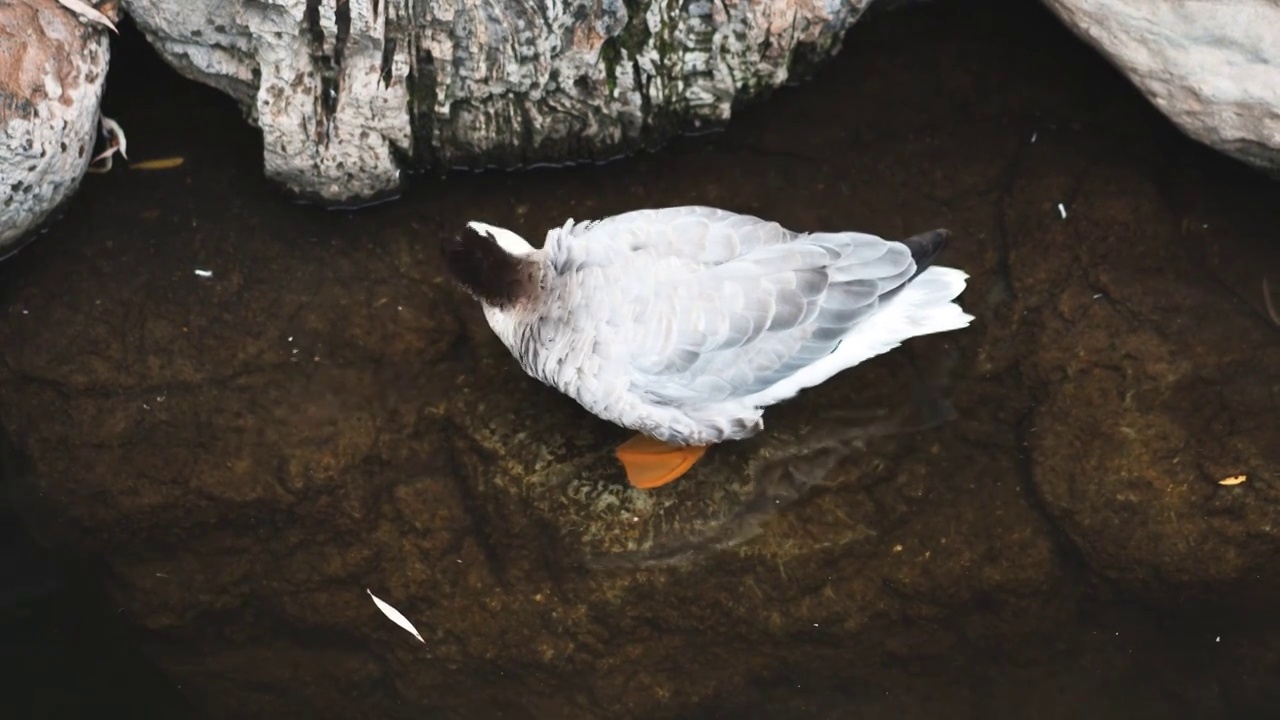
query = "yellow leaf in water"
x=1233 y=480
x=158 y=164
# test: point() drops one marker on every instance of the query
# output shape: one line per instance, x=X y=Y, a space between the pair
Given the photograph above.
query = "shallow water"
x=241 y=449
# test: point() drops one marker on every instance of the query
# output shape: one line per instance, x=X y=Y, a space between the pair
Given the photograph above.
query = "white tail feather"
x=924 y=307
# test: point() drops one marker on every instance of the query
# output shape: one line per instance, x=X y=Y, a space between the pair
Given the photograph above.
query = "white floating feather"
x=395 y=616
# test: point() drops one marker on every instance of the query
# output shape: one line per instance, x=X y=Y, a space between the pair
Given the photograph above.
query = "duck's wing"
x=708 y=306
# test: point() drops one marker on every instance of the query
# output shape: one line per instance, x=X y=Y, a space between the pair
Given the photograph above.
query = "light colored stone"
x=1211 y=66
x=52 y=70
x=349 y=93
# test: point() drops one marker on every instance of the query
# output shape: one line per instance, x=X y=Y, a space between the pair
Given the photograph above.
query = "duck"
x=683 y=324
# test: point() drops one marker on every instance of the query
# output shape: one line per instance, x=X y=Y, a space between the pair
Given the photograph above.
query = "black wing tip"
x=926 y=246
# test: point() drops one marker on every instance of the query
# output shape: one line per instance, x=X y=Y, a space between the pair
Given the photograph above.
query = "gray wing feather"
x=729 y=304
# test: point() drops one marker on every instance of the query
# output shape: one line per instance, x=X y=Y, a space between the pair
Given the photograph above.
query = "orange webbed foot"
x=652 y=463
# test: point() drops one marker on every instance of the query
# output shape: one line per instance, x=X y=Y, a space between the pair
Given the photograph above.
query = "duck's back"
x=699 y=236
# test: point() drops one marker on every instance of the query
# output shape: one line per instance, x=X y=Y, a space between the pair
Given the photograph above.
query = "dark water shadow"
x=66 y=651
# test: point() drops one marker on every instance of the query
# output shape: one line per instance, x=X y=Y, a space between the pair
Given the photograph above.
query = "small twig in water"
x=117 y=143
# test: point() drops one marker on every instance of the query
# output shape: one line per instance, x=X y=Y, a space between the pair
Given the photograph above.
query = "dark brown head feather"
x=488 y=272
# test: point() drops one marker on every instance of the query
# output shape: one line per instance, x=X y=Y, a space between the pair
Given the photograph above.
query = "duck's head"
x=493 y=264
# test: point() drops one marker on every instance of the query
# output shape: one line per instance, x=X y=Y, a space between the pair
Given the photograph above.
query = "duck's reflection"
x=787 y=467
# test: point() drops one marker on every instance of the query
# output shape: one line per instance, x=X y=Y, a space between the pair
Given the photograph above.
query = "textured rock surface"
x=249 y=452
x=52 y=70
x=1168 y=386
x=349 y=93
x=1211 y=67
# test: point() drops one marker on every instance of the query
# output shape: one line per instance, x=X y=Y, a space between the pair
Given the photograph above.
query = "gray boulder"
x=1212 y=68
x=350 y=94
x=53 y=66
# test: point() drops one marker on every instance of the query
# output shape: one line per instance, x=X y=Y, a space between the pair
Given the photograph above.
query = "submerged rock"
x=1212 y=68
x=1157 y=386
x=349 y=94
x=53 y=67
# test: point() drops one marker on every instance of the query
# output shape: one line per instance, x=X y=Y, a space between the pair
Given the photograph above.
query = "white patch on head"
x=506 y=239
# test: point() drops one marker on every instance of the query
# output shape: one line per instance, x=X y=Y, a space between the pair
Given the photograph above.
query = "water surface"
x=243 y=454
